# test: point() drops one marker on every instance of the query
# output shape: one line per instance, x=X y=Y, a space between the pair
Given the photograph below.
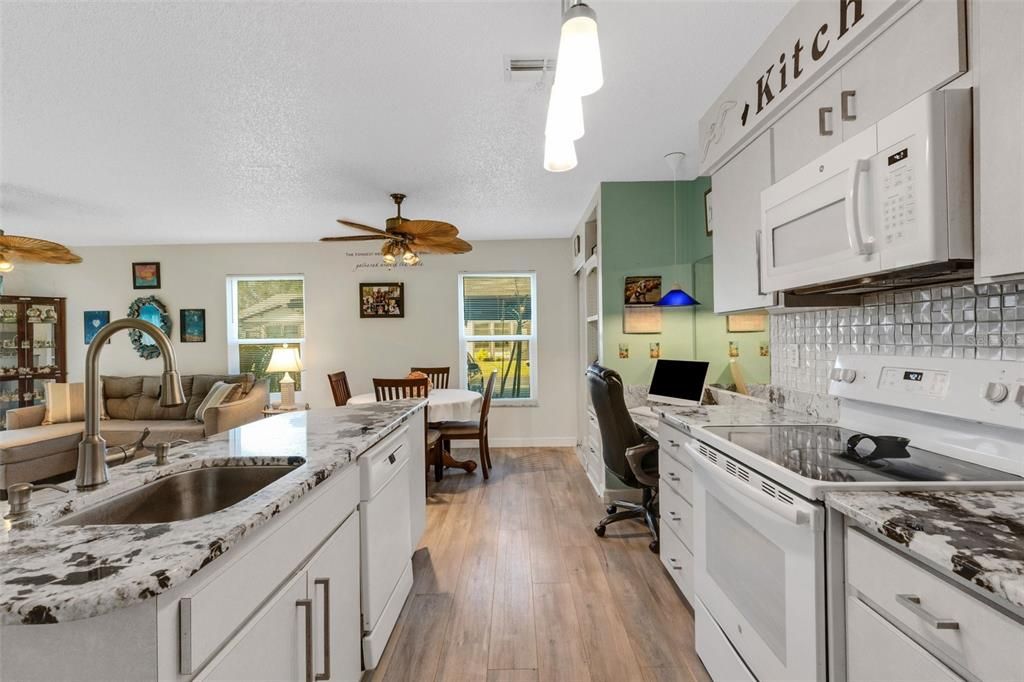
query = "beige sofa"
x=30 y=450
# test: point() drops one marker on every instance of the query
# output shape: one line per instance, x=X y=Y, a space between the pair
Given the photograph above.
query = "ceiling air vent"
x=528 y=69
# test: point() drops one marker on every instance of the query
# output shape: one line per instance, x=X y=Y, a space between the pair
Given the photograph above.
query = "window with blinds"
x=266 y=312
x=498 y=333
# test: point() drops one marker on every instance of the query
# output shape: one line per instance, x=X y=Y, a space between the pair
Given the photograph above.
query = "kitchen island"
x=170 y=600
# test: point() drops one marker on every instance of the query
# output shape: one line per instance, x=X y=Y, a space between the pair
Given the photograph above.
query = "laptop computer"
x=678 y=382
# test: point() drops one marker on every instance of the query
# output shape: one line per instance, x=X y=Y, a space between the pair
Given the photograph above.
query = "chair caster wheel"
x=599 y=531
x=611 y=509
x=654 y=546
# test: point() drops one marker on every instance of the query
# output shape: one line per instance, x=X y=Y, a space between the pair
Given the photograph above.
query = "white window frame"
x=234 y=342
x=531 y=337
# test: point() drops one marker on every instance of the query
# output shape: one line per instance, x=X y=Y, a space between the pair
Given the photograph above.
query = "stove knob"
x=849 y=375
x=995 y=392
x=1020 y=396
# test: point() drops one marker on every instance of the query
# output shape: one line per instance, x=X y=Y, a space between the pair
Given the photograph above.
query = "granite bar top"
x=976 y=536
x=741 y=411
x=52 y=574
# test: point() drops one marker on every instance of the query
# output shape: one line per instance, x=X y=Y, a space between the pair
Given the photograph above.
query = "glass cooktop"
x=831 y=453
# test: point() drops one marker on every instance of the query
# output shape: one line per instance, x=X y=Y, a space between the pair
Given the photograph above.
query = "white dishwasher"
x=385 y=554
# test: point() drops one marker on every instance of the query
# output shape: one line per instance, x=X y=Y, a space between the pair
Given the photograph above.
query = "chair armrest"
x=635 y=456
x=25 y=417
x=237 y=412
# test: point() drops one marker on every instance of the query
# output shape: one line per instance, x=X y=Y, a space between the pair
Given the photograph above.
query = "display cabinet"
x=32 y=349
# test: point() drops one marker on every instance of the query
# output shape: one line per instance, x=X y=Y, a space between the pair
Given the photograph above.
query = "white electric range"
x=759 y=516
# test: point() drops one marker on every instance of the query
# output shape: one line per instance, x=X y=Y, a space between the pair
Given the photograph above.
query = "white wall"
x=336 y=338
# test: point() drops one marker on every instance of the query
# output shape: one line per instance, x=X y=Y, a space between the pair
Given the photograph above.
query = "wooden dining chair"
x=398 y=389
x=438 y=375
x=339 y=388
x=472 y=430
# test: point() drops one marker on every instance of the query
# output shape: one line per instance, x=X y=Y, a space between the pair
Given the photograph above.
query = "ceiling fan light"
x=565 y=114
x=579 y=51
x=389 y=258
x=409 y=258
x=559 y=154
x=5 y=265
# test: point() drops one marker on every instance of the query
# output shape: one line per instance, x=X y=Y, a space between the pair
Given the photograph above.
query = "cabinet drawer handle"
x=822 y=130
x=675 y=517
x=845 y=108
x=675 y=565
x=672 y=443
x=307 y=606
x=912 y=603
x=326 y=582
x=672 y=477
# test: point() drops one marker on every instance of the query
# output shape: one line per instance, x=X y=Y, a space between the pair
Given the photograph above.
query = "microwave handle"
x=853 y=229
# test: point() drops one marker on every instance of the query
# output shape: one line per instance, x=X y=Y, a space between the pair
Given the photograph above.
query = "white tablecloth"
x=443 y=404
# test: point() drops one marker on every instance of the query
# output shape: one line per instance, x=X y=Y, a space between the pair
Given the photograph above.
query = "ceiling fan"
x=15 y=248
x=406 y=239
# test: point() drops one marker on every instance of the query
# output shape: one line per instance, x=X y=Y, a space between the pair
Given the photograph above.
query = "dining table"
x=443 y=405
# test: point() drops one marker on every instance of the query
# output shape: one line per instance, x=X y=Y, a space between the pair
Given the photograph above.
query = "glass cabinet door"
x=41 y=344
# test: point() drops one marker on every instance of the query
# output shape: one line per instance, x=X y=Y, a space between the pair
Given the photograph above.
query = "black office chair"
x=628 y=456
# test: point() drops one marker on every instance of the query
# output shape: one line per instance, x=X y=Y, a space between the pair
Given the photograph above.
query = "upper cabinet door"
x=925 y=49
x=998 y=62
x=736 y=202
x=808 y=130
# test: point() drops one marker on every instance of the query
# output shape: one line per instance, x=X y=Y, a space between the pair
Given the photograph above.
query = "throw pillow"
x=219 y=394
x=66 y=403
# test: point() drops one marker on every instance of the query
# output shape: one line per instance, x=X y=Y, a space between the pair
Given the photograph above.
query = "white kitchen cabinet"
x=675 y=491
x=332 y=583
x=417 y=483
x=998 y=65
x=312 y=621
x=736 y=199
x=271 y=646
x=899 y=65
x=807 y=131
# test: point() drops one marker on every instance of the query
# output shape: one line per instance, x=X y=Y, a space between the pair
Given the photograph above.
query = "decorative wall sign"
x=746 y=322
x=812 y=40
x=150 y=309
x=641 y=319
x=382 y=299
x=642 y=289
x=193 y=325
x=93 y=321
x=145 y=275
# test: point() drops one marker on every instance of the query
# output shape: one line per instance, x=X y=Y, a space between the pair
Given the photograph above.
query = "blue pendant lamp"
x=676 y=297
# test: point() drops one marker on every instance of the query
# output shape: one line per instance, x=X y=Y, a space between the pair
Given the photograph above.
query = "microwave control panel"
x=898 y=210
x=928 y=382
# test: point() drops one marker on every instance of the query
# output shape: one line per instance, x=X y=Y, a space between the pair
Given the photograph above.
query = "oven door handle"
x=795 y=516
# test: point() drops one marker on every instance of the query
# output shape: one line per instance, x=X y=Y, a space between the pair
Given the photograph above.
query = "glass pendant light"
x=565 y=114
x=5 y=265
x=676 y=297
x=579 y=51
x=559 y=154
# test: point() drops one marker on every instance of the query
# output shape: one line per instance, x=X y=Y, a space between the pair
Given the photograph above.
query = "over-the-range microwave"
x=889 y=207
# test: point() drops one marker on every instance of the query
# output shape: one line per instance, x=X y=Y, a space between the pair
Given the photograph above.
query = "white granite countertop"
x=54 y=574
x=740 y=411
x=976 y=536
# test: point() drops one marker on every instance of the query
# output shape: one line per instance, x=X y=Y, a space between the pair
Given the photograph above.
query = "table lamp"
x=286 y=360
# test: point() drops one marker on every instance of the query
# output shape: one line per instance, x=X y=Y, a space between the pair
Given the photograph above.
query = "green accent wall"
x=641 y=235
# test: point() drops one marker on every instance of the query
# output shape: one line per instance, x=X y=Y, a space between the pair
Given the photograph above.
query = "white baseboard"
x=539 y=442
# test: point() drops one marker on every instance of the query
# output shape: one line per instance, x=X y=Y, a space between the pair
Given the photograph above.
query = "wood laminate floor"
x=512 y=585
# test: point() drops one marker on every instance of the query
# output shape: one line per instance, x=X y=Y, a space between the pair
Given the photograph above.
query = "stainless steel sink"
x=179 y=497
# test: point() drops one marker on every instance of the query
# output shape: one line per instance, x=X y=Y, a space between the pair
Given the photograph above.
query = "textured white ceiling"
x=136 y=123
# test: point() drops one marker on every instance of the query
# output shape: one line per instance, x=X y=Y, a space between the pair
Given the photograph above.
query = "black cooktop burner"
x=831 y=453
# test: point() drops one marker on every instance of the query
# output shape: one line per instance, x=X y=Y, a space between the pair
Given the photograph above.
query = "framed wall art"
x=193 y=325
x=382 y=299
x=145 y=275
x=642 y=290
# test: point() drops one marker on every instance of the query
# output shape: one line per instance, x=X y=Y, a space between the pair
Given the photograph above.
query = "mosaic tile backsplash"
x=984 y=321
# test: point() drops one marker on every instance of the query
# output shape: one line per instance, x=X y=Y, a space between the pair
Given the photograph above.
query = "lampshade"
x=579 y=52
x=559 y=154
x=285 y=359
x=565 y=114
x=677 y=298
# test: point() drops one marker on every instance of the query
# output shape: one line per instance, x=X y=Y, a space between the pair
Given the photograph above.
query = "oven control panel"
x=984 y=391
x=930 y=382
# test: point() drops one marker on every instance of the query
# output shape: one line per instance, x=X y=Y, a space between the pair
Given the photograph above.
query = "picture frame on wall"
x=92 y=322
x=193 y=325
x=145 y=275
x=381 y=299
x=709 y=226
x=642 y=289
